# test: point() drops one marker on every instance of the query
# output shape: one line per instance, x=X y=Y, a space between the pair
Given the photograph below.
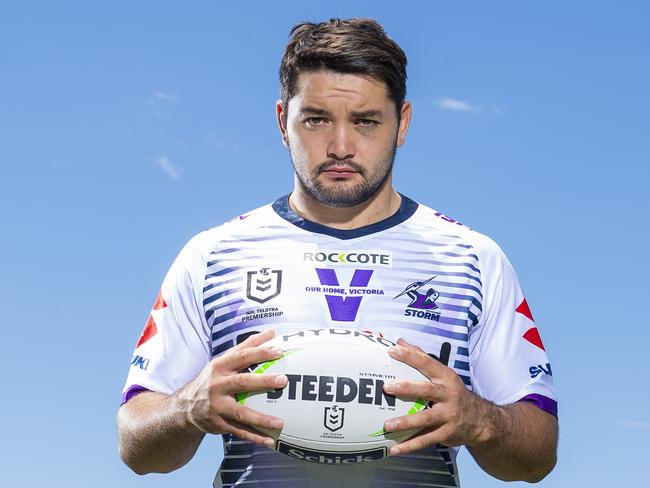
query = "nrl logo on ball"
x=334 y=417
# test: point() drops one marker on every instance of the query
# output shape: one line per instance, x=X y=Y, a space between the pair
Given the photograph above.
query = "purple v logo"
x=343 y=309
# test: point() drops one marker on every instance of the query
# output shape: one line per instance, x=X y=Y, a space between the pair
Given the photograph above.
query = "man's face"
x=342 y=131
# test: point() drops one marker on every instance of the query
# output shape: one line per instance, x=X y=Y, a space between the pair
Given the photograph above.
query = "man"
x=468 y=328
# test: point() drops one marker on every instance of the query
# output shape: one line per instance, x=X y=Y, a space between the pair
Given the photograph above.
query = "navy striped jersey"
x=418 y=275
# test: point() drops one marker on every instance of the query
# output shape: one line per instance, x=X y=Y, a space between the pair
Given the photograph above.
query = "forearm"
x=155 y=433
x=519 y=442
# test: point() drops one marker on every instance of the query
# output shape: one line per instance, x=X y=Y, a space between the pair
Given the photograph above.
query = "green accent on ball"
x=418 y=405
x=243 y=395
x=378 y=433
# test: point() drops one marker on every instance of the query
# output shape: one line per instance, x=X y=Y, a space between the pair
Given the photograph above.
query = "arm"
x=155 y=435
x=520 y=442
x=514 y=442
x=161 y=433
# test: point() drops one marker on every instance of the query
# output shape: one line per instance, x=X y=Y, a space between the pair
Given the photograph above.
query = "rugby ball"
x=334 y=406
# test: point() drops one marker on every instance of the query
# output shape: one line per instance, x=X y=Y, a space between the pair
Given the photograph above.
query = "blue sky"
x=126 y=128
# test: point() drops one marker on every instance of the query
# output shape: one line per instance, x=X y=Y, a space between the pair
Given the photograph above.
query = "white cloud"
x=166 y=97
x=457 y=105
x=170 y=169
x=161 y=97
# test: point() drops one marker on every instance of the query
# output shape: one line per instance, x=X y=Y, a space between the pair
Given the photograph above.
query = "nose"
x=341 y=145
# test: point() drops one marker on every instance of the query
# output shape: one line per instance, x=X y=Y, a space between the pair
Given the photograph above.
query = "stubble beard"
x=342 y=194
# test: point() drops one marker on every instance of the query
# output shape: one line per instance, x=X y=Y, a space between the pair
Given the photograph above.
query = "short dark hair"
x=351 y=46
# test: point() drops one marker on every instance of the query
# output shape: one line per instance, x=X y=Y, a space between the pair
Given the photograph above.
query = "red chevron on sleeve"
x=160 y=302
x=524 y=310
x=150 y=328
x=532 y=336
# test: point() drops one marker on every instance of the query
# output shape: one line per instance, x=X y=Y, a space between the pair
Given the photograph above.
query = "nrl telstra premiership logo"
x=263 y=285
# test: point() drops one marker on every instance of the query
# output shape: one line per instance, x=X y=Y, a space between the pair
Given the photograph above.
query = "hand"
x=456 y=416
x=209 y=400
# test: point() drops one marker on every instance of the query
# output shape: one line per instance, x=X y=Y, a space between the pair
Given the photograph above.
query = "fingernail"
x=270 y=443
x=391 y=425
x=276 y=424
x=394 y=451
x=281 y=380
x=390 y=386
x=395 y=350
x=276 y=351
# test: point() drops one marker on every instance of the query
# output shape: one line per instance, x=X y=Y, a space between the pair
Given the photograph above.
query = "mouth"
x=340 y=171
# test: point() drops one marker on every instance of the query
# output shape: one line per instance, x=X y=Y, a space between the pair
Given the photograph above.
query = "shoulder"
x=244 y=226
x=485 y=248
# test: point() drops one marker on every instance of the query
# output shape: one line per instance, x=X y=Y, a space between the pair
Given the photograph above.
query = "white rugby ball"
x=334 y=406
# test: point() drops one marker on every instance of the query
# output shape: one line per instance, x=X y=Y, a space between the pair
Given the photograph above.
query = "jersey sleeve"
x=508 y=361
x=174 y=344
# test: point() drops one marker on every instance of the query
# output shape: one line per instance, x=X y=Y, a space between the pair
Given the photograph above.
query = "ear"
x=404 y=122
x=281 y=116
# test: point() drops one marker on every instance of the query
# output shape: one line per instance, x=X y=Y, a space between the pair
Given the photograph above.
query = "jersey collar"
x=406 y=209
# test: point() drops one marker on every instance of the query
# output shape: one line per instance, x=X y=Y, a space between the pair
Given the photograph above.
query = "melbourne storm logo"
x=422 y=304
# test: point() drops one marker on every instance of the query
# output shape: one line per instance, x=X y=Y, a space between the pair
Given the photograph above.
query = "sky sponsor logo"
x=535 y=371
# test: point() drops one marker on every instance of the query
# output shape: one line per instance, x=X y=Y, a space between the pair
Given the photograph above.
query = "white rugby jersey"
x=418 y=275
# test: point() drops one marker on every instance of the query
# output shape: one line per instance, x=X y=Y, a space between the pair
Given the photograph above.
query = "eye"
x=367 y=123
x=315 y=121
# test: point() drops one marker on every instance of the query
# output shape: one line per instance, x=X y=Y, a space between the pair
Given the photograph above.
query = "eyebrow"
x=363 y=114
x=314 y=111
x=367 y=114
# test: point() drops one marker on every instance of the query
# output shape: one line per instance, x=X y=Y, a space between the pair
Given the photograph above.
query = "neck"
x=380 y=206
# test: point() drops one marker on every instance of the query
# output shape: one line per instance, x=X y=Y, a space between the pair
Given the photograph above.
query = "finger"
x=427 y=418
x=252 y=382
x=237 y=360
x=420 y=441
x=405 y=343
x=421 y=361
x=416 y=389
x=247 y=433
x=251 y=418
x=256 y=339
